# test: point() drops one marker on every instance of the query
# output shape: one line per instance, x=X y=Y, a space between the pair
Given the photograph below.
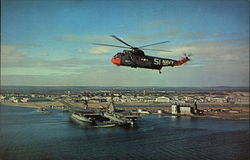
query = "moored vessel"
x=81 y=117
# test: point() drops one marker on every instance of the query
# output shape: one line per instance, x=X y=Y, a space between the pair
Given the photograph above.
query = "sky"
x=50 y=43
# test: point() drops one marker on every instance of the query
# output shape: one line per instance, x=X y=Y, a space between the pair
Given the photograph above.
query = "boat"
x=118 y=119
x=81 y=117
x=43 y=110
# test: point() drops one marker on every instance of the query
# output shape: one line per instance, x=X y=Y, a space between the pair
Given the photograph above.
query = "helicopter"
x=136 y=58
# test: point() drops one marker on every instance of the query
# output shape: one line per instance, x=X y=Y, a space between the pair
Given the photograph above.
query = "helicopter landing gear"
x=160 y=71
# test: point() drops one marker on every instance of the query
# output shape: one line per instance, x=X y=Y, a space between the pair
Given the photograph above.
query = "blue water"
x=27 y=134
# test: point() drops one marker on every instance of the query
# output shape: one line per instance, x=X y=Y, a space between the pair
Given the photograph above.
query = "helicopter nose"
x=116 y=61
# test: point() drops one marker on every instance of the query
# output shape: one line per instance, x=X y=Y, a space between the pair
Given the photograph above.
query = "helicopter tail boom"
x=182 y=61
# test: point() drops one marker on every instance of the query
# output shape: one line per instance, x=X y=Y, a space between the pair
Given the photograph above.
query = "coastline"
x=243 y=115
x=32 y=104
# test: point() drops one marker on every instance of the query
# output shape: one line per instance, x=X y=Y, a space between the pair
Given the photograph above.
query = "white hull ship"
x=81 y=117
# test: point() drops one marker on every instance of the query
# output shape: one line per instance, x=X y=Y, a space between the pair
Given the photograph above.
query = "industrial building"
x=162 y=99
x=182 y=109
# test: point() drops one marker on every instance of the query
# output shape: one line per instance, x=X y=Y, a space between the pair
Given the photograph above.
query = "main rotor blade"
x=153 y=44
x=109 y=45
x=157 y=50
x=122 y=41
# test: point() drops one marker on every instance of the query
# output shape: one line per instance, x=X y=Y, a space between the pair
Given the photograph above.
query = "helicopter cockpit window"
x=125 y=51
x=117 y=55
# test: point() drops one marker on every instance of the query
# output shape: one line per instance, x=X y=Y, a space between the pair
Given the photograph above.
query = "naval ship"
x=85 y=115
x=81 y=117
x=119 y=118
x=110 y=117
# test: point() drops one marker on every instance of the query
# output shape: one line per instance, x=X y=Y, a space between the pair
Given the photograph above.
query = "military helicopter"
x=135 y=57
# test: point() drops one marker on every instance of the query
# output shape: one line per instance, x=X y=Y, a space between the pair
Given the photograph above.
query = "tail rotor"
x=188 y=55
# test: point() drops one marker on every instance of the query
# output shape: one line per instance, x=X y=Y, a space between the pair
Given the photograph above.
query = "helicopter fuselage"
x=137 y=58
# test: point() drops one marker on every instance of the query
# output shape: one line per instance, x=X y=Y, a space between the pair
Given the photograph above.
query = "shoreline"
x=17 y=105
x=32 y=104
x=244 y=115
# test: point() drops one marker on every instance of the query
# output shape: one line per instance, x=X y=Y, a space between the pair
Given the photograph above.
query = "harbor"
x=70 y=126
x=28 y=134
x=107 y=117
x=223 y=103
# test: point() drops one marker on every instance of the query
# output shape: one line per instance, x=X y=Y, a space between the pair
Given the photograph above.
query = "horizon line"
x=124 y=86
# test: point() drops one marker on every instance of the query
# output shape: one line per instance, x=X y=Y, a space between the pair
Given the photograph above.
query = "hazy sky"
x=49 y=42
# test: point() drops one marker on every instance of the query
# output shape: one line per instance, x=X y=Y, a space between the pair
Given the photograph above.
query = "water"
x=27 y=134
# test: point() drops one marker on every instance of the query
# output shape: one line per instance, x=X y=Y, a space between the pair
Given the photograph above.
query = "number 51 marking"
x=157 y=61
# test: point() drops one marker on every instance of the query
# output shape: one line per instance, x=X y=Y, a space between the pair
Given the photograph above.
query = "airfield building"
x=182 y=109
